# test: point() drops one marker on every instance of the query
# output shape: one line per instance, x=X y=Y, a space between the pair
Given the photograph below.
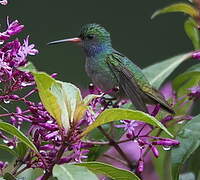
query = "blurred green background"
x=133 y=33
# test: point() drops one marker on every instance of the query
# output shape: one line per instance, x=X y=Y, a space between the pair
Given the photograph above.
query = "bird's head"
x=92 y=38
x=92 y=34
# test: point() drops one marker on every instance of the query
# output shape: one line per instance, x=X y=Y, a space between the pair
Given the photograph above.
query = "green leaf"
x=187 y=176
x=44 y=84
x=6 y=148
x=189 y=138
x=30 y=174
x=182 y=83
x=15 y=132
x=190 y=74
x=109 y=171
x=192 y=32
x=9 y=176
x=72 y=172
x=157 y=73
x=96 y=151
x=72 y=98
x=178 y=7
x=62 y=100
x=21 y=149
x=29 y=67
x=194 y=165
x=117 y=114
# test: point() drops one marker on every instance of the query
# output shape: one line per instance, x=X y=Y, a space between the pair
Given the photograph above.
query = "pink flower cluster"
x=14 y=54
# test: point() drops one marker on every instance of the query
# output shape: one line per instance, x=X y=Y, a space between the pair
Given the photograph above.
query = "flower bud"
x=169 y=142
x=14 y=97
x=14 y=28
x=54 y=75
x=166 y=119
x=196 y=55
x=3 y=165
x=4 y=37
x=140 y=166
x=65 y=160
x=155 y=151
x=48 y=126
x=51 y=135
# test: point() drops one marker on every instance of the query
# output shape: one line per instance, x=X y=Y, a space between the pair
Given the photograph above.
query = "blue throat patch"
x=96 y=49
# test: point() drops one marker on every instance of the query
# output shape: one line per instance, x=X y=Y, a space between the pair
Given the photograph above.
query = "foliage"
x=71 y=136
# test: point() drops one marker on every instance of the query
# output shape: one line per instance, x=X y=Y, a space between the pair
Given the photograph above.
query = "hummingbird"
x=109 y=69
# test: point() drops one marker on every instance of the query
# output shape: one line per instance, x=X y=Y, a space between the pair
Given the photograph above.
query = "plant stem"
x=65 y=139
x=19 y=164
x=117 y=147
x=30 y=93
x=148 y=148
x=21 y=170
x=11 y=114
x=14 y=171
x=106 y=142
x=115 y=159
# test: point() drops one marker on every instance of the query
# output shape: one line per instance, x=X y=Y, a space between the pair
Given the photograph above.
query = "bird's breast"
x=100 y=74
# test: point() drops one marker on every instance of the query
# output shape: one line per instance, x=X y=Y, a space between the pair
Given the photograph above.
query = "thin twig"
x=106 y=142
x=20 y=163
x=12 y=114
x=148 y=148
x=117 y=147
x=30 y=93
x=21 y=170
x=115 y=159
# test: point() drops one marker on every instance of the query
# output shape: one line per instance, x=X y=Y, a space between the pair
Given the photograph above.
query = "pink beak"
x=75 y=40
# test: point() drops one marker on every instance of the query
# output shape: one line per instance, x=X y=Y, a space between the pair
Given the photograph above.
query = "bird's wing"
x=156 y=96
x=126 y=81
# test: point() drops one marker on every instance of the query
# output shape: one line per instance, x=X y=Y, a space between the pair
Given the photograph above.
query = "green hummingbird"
x=109 y=69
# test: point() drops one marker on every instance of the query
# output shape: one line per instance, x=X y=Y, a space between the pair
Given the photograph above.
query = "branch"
x=106 y=142
x=117 y=147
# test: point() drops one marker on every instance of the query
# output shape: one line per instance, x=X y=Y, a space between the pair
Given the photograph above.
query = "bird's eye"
x=81 y=36
x=90 y=36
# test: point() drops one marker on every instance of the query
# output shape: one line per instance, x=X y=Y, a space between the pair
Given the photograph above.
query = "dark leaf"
x=30 y=174
x=158 y=73
x=178 y=7
x=117 y=114
x=109 y=171
x=181 y=84
x=189 y=138
x=72 y=172
x=6 y=148
x=15 y=132
x=8 y=176
x=191 y=29
x=21 y=149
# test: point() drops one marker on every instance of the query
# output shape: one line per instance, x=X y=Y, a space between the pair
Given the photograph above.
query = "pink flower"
x=196 y=55
x=140 y=166
x=27 y=49
x=4 y=2
x=194 y=92
x=3 y=165
x=155 y=151
x=13 y=28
